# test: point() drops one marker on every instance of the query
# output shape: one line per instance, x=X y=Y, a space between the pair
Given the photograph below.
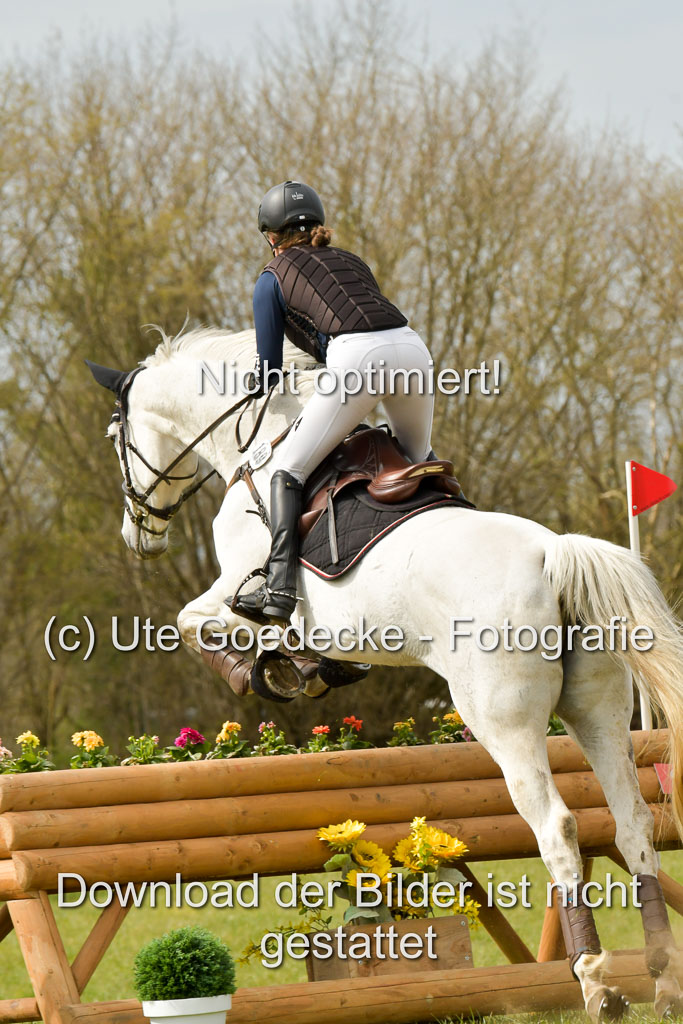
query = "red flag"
x=664 y=776
x=648 y=488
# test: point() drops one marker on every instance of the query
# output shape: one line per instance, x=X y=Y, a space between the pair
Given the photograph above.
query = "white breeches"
x=369 y=365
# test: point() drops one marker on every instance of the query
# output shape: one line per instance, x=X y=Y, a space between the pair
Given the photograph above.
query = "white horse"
x=447 y=564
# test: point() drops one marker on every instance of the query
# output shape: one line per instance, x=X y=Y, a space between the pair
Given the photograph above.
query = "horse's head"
x=157 y=472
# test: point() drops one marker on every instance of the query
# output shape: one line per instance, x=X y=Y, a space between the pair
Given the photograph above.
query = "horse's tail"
x=594 y=581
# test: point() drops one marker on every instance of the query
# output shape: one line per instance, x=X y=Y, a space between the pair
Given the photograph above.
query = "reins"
x=140 y=499
x=245 y=471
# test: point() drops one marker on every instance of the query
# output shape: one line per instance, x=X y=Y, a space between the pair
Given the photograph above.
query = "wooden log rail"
x=229 y=819
x=196 y=819
x=296 y=773
x=477 y=991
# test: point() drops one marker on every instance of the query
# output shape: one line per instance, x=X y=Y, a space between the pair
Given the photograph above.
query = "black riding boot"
x=276 y=599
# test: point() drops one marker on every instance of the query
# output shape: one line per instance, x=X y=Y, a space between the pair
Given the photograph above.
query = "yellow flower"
x=364 y=852
x=28 y=739
x=88 y=739
x=469 y=909
x=381 y=866
x=403 y=850
x=422 y=856
x=443 y=846
x=453 y=718
x=227 y=731
x=406 y=853
x=343 y=836
x=378 y=864
x=406 y=911
x=353 y=879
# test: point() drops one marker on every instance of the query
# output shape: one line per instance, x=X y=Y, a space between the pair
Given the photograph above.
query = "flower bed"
x=192 y=745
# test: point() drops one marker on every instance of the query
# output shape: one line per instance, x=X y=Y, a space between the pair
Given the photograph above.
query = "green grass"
x=619 y=929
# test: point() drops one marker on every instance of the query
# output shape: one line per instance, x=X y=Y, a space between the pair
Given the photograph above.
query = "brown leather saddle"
x=373 y=456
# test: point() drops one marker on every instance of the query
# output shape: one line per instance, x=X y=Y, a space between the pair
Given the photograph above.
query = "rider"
x=327 y=302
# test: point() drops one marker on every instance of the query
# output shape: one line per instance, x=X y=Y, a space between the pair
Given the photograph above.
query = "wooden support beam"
x=92 y=787
x=6 y=925
x=195 y=819
x=119 y=1011
x=44 y=956
x=673 y=890
x=496 y=924
x=551 y=945
x=280 y=852
x=9 y=884
x=418 y=995
x=12 y=1011
x=97 y=943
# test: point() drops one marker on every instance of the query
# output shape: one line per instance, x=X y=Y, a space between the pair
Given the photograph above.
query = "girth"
x=371 y=455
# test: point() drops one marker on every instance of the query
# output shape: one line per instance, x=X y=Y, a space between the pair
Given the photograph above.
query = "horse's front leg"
x=207 y=624
x=236 y=561
x=222 y=639
x=209 y=615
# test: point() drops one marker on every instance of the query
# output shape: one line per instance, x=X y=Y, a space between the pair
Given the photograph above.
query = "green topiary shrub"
x=186 y=963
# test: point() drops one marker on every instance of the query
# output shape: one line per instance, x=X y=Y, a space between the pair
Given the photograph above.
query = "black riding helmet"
x=290 y=203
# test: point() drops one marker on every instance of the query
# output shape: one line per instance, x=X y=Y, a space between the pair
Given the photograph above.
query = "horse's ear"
x=108 y=378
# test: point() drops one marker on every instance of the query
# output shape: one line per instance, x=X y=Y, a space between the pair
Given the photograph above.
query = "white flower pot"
x=204 y=1010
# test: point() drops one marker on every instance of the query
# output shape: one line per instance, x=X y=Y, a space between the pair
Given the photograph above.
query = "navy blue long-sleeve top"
x=269 y=323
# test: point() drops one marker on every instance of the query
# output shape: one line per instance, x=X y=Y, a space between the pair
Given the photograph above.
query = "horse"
x=468 y=591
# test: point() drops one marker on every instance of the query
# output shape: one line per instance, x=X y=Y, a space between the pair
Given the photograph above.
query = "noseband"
x=138 y=506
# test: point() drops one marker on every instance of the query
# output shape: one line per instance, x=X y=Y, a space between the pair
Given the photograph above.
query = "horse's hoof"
x=607 y=1005
x=668 y=1006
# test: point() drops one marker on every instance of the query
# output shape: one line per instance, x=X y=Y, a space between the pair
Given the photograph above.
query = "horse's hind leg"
x=596 y=705
x=511 y=720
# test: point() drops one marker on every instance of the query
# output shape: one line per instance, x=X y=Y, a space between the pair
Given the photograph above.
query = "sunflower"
x=343 y=836
x=403 y=850
x=443 y=846
x=381 y=866
x=365 y=852
x=353 y=879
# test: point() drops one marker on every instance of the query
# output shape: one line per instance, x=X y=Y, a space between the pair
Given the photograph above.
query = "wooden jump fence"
x=228 y=819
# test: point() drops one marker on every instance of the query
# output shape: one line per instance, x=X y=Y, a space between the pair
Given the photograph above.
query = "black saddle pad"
x=360 y=523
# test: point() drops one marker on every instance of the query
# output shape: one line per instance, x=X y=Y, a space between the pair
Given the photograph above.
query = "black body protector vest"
x=329 y=291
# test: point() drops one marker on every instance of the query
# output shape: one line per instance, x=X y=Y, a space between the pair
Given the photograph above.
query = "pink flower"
x=266 y=725
x=321 y=730
x=190 y=736
x=4 y=752
x=467 y=735
x=355 y=723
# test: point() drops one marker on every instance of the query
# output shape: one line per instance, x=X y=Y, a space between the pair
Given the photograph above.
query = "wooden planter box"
x=451 y=945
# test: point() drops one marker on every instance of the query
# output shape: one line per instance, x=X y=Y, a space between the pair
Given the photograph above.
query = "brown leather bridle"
x=137 y=505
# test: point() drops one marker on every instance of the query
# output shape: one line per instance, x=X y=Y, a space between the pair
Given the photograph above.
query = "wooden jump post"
x=228 y=819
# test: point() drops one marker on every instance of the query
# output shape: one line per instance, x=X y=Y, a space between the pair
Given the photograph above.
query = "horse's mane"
x=215 y=343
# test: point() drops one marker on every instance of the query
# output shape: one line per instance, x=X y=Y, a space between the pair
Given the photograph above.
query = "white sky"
x=620 y=59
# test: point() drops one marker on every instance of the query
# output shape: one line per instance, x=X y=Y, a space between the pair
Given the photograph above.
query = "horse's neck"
x=170 y=395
